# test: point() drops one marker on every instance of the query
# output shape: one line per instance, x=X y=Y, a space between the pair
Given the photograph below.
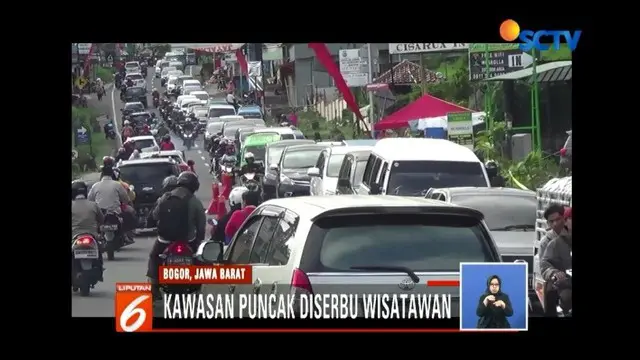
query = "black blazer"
x=493 y=317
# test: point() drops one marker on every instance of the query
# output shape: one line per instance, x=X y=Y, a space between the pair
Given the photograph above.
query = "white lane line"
x=206 y=164
x=199 y=151
x=202 y=157
x=115 y=115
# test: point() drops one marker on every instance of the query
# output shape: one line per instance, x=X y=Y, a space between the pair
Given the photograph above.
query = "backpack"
x=173 y=217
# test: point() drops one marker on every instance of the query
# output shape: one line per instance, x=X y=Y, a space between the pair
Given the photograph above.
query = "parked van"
x=411 y=166
x=324 y=176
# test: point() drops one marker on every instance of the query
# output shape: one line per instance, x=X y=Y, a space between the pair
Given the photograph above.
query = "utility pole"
x=371 y=110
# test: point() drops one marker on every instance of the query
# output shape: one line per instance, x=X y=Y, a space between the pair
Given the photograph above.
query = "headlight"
x=285 y=180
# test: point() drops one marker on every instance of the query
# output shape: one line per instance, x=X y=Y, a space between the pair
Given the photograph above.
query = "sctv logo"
x=510 y=31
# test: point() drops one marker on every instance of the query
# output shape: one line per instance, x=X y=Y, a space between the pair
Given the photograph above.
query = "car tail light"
x=563 y=152
x=300 y=282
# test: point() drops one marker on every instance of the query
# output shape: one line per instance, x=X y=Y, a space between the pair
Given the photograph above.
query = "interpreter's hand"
x=499 y=303
x=488 y=298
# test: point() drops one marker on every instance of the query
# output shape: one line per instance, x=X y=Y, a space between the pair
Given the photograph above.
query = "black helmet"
x=108 y=161
x=169 y=183
x=166 y=137
x=253 y=195
x=189 y=180
x=78 y=187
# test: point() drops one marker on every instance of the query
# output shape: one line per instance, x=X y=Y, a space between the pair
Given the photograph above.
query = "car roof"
x=133 y=103
x=221 y=106
x=494 y=191
x=278 y=130
x=360 y=142
x=305 y=147
x=199 y=92
x=343 y=150
x=312 y=206
x=163 y=152
x=290 y=142
x=134 y=73
x=395 y=149
x=142 y=137
x=146 y=161
x=185 y=76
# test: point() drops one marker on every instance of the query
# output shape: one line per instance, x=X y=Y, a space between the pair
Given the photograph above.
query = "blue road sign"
x=82 y=136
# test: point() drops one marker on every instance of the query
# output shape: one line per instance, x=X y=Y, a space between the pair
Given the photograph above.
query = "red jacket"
x=236 y=220
x=167 y=146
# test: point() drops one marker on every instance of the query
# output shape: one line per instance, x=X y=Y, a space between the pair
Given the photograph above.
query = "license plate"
x=85 y=254
x=109 y=227
x=179 y=260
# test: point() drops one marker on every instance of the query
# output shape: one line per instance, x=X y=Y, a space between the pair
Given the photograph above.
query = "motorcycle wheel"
x=111 y=253
x=85 y=290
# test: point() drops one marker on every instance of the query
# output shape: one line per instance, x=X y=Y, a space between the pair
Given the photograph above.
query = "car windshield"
x=300 y=159
x=131 y=65
x=135 y=91
x=201 y=96
x=427 y=242
x=151 y=174
x=167 y=69
x=217 y=112
x=133 y=107
x=501 y=211
x=145 y=143
x=135 y=77
x=359 y=172
x=258 y=151
x=414 y=178
x=335 y=162
x=250 y=114
x=142 y=118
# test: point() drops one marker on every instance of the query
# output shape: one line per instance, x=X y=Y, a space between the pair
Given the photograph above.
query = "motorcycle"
x=110 y=133
x=156 y=101
x=112 y=230
x=248 y=178
x=187 y=136
x=178 y=253
x=86 y=266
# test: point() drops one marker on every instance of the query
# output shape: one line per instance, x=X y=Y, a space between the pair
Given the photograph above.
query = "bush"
x=106 y=74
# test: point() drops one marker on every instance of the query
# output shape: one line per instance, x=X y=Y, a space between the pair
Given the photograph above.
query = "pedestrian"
x=554 y=215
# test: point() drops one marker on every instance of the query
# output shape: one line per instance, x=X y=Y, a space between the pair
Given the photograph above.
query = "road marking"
x=205 y=164
x=202 y=157
x=199 y=151
x=115 y=115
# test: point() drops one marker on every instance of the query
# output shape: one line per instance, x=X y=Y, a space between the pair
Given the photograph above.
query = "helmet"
x=166 y=137
x=126 y=122
x=116 y=174
x=78 y=187
x=108 y=161
x=189 y=180
x=169 y=183
x=235 y=197
x=253 y=196
x=248 y=155
x=154 y=89
x=98 y=79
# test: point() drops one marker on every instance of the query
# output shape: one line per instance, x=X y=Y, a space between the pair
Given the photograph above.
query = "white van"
x=324 y=176
x=411 y=166
x=177 y=64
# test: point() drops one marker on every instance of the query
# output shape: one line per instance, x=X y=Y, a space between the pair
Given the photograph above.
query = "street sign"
x=354 y=67
x=413 y=48
x=74 y=154
x=503 y=59
x=82 y=136
x=81 y=82
x=460 y=128
x=84 y=48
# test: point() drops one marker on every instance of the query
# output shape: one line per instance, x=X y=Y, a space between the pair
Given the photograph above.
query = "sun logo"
x=509 y=30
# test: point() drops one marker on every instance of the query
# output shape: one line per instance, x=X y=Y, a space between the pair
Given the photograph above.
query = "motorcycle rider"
x=169 y=183
x=251 y=166
x=162 y=131
x=250 y=200
x=229 y=156
x=556 y=259
x=231 y=100
x=187 y=130
x=86 y=216
x=129 y=213
x=129 y=83
x=127 y=130
x=235 y=204
x=155 y=95
x=166 y=143
x=180 y=216
x=110 y=195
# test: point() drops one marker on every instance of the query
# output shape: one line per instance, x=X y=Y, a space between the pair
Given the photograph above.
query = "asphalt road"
x=130 y=264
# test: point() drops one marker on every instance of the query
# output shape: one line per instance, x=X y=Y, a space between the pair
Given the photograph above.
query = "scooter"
x=86 y=265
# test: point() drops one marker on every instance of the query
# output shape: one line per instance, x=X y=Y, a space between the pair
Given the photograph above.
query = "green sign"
x=460 y=128
x=474 y=48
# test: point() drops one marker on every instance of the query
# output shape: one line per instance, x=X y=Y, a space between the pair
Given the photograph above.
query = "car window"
x=359 y=173
x=300 y=158
x=419 y=242
x=335 y=161
x=501 y=211
x=241 y=247
x=146 y=143
x=217 y=112
x=146 y=174
x=260 y=245
x=278 y=252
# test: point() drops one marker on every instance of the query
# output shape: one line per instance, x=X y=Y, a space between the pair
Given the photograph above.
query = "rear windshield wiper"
x=403 y=269
x=515 y=227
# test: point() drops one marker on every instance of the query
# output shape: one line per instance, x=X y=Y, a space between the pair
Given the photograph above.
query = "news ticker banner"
x=230 y=298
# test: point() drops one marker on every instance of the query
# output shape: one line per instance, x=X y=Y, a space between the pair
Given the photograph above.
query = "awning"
x=210 y=47
x=406 y=72
x=559 y=71
x=425 y=107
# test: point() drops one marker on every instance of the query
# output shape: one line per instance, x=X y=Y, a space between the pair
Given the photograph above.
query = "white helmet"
x=126 y=122
x=154 y=89
x=249 y=155
x=235 y=197
x=98 y=79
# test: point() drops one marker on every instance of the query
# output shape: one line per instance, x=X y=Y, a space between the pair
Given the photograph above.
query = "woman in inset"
x=494 y=306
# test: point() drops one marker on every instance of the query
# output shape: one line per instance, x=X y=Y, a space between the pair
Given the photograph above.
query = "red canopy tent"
x=425 y=107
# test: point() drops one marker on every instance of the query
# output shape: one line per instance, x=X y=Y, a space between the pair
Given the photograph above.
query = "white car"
x=160 y=64
x=182 y=98
x=217 y=110
x=165 y=72
x=200 y=94
x=137 y=78
x=145 y=143
x=324 y=176
x=190 y=85
x=132 y=67
x=386 y=245
x=172 y=83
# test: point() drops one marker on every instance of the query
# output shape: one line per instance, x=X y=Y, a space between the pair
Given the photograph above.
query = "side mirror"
x=190 y=162
x=274 y=167
x=212 y=252
x=314 y=172
x=492 y=171
x=376 y=189
x=345 y=183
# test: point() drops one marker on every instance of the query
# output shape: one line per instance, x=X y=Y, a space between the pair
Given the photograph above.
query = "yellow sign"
x=81 y=82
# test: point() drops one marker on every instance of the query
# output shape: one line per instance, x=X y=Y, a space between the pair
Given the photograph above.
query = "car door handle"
x=256 y=286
